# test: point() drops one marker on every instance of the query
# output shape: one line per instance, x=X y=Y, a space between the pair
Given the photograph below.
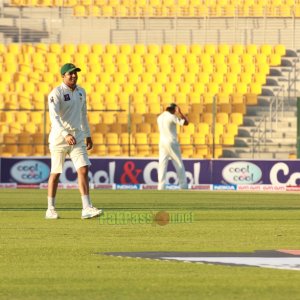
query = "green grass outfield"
x=57 y=259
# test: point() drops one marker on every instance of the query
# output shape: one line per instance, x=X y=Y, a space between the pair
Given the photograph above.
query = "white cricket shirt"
x=68 y=113
x=167 y=127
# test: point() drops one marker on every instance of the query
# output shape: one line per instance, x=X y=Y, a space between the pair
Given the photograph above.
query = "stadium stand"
x=141 y=78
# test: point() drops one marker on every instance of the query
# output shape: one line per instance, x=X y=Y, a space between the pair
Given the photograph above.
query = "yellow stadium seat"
x=144 y=127
x=125 y=49
x=151 y=68
x=222 y=118
x=136 y=118
x=105 y=78
x=14 y=48
x=260 y=58
x=93 y=58
x=245 y=78
x=189 y=78
x=207 y=117
x=138 y=98
x=251 y=99
x=175 y=77
x=156 y=88
x=181 y=99
x=135 y=58
x=178 y=70
x=41 y=48
x=191 y=58
x=113 y=145
x=55 y=48
x=112 y=49
x=107 y=58
x=184 y=87
x=110 y=101
x=209 y=49
x=119 y=78
x=163 y=59
x=166 y=68
x=224 y=49
x=237 y=49
x=280 y=49
x=153 y=49
x=190 y=129
x=217 y=78
x=255 y=88
x=199 y=88
x=194 y=98
x=274 y=59
x=212 y=88
x=122 y=58
x=161 y=77
x=236 y=118
x=177 y=58
x=79 y=11
x=97 y=49
x=263 y=68
x=128 y=87
x=94 y=117
x=31 y=127
x=241 y=88
x=154 y=108
x=139 y=49
x=233 y=58
x=167 y=49
x=249 y=68
x=108 y=117
x=199 y=138
x=122 y=117
x=124 y=68
x=142 y=87
x=218 y=58
x=170 y=87
x=260 y=78
x=22 y=117
x=222 y=98
x=266 y=49
x=149 y=58
x=117 y=128
x=147 y=78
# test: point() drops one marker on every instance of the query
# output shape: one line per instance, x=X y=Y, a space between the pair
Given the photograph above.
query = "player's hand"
x=70 y=139
x=89 y=143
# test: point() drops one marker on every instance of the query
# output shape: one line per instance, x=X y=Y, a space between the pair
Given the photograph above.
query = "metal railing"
x=44 y=24
x=269 y=123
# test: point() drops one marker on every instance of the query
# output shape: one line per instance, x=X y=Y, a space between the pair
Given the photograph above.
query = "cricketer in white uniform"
x=169 y=146
x=69 y=135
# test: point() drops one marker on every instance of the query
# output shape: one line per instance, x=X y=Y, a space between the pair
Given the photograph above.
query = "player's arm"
x=85 y=126
x=54 y=112
x=182 y=116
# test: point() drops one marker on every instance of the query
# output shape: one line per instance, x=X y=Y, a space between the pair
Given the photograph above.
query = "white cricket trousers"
x=166 y=151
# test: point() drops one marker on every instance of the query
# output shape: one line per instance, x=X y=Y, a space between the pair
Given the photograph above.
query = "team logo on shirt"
x=52 y=100
x=67 y=97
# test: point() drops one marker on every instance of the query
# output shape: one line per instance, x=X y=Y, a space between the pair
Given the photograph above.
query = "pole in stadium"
x=213 y=129
x=129 y=124
x=298 y=127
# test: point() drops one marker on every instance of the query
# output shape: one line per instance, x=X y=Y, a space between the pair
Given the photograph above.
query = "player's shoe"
x=91 y=212
x=51 y=214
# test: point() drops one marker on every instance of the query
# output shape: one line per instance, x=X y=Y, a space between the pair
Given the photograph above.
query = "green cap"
x=68 y=68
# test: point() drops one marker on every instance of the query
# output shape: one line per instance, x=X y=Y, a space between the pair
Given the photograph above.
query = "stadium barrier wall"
x=138 y=171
